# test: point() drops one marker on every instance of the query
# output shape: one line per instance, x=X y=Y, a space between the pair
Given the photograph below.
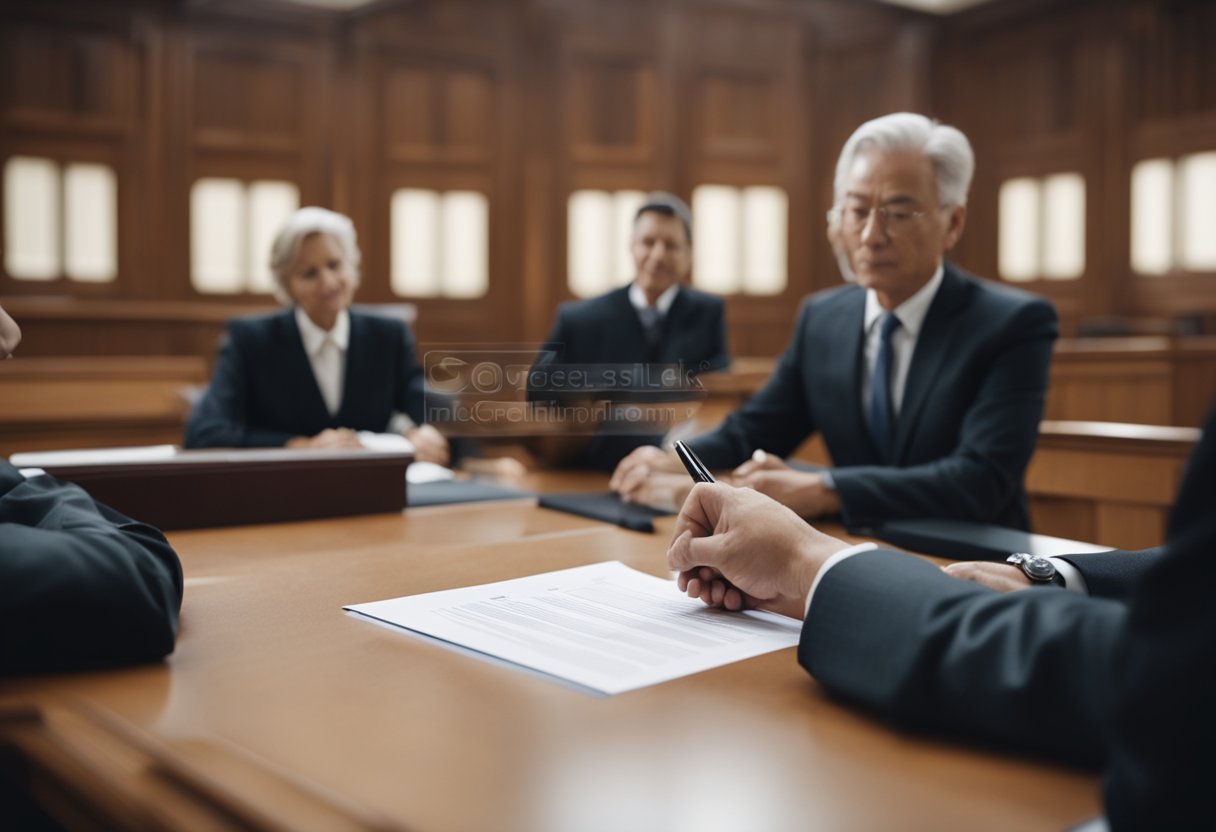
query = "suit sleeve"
x=81 y=586
x=719 y=359
x=220 y=420
x=984 y=472
x=1116 y=573
x=777 y=418
x=1164 y=725
x=552 y=351
x=1030 y=671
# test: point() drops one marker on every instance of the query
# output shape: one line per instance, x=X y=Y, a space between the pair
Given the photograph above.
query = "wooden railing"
x=95 y=402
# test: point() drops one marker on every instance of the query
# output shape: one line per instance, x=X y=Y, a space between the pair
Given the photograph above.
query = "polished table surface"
x=433 y=739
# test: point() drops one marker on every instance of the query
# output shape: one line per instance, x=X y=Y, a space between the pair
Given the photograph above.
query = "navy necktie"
x=882 y=413
x=652 y=323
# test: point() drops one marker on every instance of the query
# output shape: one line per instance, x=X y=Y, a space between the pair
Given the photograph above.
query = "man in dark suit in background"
x=1127 y=684
x=926 y=383
x=81 y=586
x=656 y=319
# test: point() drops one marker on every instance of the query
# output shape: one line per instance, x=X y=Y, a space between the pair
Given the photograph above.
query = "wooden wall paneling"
x=89 y=402
x=743 y=102
x=1068 y=517
x=1128 y=475
x=439 y=106
x=611 y=70
x=256 y=105
x=71 y=93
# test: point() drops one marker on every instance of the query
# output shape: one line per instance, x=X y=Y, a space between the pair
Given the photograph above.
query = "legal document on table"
x=604 y=626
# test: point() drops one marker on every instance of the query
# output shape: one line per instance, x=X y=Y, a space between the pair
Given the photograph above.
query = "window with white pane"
x=1173 y=202
x=740 y=239
x=439 y=243
x=232 y=227
x=1041 y=228
x=599 y=232
x=60 y=220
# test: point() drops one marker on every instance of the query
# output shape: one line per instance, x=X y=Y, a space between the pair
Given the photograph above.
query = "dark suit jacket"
x=607 y=331
x=1127 y=685
x=81 y=586
x=1116 y=573
x=264 y=391
x=968 y=422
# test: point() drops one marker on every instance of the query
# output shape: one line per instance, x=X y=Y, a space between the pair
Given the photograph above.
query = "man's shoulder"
x=697 y=298
x=832 y=300
x=599 y=306
x=260 y=326
x=380 y=324
x=995 y=294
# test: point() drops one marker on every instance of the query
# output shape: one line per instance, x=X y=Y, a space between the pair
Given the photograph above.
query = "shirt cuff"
x=832 y=561
x=1074 y=581
x=399 y=424
x=828 y=480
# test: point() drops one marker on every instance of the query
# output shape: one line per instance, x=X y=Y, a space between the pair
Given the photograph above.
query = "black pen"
x=696 y=468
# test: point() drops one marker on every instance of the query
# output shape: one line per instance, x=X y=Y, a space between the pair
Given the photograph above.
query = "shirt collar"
x=912 y=312
x=638 y=298
x=313 y=336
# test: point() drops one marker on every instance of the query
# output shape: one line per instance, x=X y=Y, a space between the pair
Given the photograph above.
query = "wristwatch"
x=1039 y=570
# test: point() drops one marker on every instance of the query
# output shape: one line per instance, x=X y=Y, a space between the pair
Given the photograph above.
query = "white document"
x=604 y=626
x=417 y=472
x=92 y=456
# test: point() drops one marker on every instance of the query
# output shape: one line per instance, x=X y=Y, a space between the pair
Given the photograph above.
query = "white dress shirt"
x=326 y=353
x=637 y=298
x=911 y=314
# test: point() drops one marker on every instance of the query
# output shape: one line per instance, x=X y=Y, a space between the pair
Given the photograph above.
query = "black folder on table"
x=448 y=492
x=606 y=506
x=962 y=540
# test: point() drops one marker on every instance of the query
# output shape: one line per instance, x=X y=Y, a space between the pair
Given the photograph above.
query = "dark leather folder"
x=605 y=506
x=461 y=491
x=961 y=540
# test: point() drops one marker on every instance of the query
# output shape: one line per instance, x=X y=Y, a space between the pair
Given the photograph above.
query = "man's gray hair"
x=301 y=225
x=667 y=204
x=947 y=148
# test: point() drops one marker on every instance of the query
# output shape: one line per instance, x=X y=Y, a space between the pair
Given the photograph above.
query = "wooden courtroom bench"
x=95 y=401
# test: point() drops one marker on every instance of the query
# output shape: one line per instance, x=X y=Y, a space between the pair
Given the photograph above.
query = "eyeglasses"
x=894 y=219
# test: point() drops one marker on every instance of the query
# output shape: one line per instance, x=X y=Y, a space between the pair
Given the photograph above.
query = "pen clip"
x=696 y=468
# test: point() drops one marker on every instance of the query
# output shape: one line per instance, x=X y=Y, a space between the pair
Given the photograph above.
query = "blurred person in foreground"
x=81 y=586
x=1122 y=678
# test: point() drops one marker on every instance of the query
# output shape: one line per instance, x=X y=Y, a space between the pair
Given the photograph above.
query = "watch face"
x=1039 y=569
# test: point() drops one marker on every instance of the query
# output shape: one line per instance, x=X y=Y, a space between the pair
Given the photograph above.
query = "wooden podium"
x=203 y=489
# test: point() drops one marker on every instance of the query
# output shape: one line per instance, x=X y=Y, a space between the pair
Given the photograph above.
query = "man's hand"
x=429 y=445
x=1003 y=577
x=342 y=438
x=631 y=474
x=10 y=335
x=802 y=491
x=737 y=549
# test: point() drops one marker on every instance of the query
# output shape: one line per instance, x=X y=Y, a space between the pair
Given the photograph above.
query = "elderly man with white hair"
x=926 y=383
x=317 y=373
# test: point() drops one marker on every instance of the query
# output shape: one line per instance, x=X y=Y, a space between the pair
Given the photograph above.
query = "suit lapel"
x=845 y=330
x=360 y=355
x=932 y=346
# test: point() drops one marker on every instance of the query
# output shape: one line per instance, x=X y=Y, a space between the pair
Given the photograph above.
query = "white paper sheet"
x=91 y=456
x=604 y=626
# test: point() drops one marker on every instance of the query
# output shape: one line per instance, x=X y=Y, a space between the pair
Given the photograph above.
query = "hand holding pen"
x=737 y=549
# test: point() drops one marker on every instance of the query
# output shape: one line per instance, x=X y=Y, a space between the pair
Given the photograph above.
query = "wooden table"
x=275 y=697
